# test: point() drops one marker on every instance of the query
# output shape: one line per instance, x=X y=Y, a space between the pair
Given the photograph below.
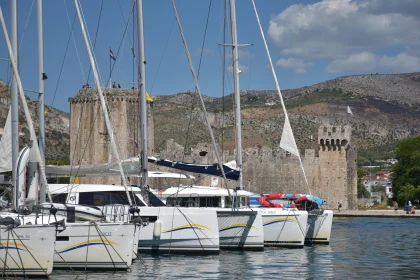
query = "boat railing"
x=116 y=212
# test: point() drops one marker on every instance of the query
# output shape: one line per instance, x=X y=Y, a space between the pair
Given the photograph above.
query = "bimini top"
x=80 y=188
x=131 y=167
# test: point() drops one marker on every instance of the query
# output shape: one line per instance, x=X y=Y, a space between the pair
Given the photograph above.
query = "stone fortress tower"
x=89 y=139
x=333 y=174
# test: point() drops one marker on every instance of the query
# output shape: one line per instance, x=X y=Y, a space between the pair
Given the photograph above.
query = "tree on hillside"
x=406 y=173
x=362 y=192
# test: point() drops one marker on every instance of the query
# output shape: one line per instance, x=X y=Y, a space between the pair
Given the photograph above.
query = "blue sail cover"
x=209 y=169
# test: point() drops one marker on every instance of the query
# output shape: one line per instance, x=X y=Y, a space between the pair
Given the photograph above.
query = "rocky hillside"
x=56 y=126
x=385 y=108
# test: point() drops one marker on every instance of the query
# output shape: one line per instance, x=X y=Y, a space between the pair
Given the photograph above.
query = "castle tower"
x=89 y=139
x=336 y=174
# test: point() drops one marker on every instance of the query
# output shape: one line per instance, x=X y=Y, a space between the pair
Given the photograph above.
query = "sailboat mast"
x=41 y=128
x=113 y=146
x=15 y=101
x=236 y=93
x=143 y=105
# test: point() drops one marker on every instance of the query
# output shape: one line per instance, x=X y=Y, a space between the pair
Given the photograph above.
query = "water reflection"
x=368 y=248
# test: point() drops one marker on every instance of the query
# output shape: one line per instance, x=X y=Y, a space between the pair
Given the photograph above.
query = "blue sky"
x=310 y=41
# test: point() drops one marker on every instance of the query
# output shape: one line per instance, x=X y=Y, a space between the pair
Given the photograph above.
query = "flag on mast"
x=111 y=55
x=349 y=111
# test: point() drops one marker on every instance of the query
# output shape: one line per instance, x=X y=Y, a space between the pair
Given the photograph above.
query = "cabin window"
x=228 y=202
x=60 y=198
x=106 y=198
x=210 y=201
x=182 y=201
x=155 y=201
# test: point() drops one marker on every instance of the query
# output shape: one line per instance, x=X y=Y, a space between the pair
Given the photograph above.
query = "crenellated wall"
x=331 y=175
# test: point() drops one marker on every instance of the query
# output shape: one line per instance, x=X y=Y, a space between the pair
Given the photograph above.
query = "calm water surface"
x=368 y=248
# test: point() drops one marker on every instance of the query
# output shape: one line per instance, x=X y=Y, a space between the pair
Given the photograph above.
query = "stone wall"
x=332 y=175
x=89 y=139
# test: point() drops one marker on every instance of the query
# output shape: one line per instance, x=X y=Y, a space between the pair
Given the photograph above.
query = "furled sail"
x=209 y=169
x=6 y=146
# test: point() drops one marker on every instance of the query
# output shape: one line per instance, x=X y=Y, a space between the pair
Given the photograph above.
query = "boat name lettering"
x=268 y=212
x=107 y=233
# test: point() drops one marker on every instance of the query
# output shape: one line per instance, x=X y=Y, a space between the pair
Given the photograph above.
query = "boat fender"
x=157 y=229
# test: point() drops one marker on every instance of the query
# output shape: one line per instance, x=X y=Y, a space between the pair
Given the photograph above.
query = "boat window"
x=60 y=198
x=61 y=238
x=228 y=202
x=182 y=201
x=154 y=200
x=86 y=198
x=106 y=198
x=209 y=201
x=149 y=218
x=243 y=201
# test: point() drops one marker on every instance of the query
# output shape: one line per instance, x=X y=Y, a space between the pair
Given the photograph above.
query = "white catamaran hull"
x=240 y=229
x=135 y=248
x=179 y=230
x=101 y=245
x=27 y=250
x=319 y=227
x=284 y=227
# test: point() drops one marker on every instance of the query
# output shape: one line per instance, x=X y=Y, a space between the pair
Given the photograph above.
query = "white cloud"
x=405 y=7
x=298 y=65
x=336 y=29
x=205 y=51
x=363 y=61
x=243 y=55
x=400 y=63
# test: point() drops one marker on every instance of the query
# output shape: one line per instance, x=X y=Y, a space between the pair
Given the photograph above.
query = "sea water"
x=360 y=248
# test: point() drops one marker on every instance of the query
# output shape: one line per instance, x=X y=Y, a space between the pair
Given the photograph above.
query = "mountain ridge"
x=386 y=108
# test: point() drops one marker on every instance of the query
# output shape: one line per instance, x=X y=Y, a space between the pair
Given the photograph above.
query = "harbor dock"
x=376 y=213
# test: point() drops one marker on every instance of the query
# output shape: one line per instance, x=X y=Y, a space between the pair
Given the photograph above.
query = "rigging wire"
x=280 y=95
x=121 y=42
x=250 y=66
x=90 y=68
x=64 y=59
x=122 y=14
x=89 y=41
x=163 y=53
x=119 y=149
x=74 y=41
x=195 y=91
x=9 y=78
x=199 y=93
x=91 y=131
x=26 y=24
x=96 y=36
